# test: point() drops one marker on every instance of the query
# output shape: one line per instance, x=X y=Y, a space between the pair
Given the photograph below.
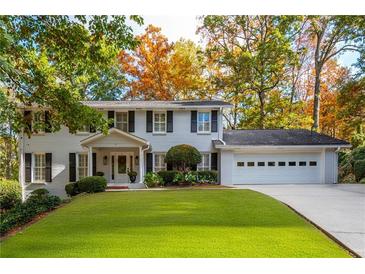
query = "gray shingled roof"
x=278 y=137
x=156 y=104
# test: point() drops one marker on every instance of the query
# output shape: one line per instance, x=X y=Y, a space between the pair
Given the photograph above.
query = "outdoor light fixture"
x=105 y=160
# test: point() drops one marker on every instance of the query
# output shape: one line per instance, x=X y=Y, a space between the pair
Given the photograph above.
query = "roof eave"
x=282 y=146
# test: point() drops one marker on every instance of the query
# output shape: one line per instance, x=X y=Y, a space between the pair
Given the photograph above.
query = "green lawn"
x=176 y=223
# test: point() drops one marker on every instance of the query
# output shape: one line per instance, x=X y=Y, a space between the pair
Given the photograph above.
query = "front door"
x=120 y=164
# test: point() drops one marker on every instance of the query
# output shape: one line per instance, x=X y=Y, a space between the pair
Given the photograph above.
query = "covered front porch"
x=116 y=155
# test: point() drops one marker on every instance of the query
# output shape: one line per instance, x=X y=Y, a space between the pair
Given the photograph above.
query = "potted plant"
x=132 y=175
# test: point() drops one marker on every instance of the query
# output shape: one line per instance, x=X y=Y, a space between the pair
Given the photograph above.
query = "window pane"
x=82 y=165
x=302 y=163
x=281 y=163
x=271 y=163
x=250 y=164
x=313 y=163
x=261 y=163
x=122 y=164
x=39 y=167
x=292 y=163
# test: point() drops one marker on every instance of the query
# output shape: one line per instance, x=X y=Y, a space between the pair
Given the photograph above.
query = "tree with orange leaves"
x=159 y=70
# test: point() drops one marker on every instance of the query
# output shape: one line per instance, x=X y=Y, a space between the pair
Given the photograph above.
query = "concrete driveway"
x=339 y=209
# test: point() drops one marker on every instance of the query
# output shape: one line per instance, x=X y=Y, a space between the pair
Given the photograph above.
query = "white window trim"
x=33 y=181
x=210 y=122
x=115 y=119
x=209 y=162
x=153 y=122
x=154 y=161
x=77 y=165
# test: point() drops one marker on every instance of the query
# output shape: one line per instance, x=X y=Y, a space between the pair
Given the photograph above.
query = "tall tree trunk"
x=262 y=110
x=316 y=103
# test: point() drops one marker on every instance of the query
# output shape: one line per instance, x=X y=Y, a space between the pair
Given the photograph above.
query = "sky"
x=175 y=27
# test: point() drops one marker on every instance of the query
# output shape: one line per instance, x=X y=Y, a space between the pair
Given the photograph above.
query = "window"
x=203 y=121
x=302 y=163
x=313 y=163
x=260 y=163
x=82 y=167
x=281 y=163
x=122 y=164
x=204 y=164
x=39 y=167
x=250 y=164
x=240 y=163
x=159 y=122
x=122 y=121
x=292 y=163
x=160 y=162
x=271 y=163
x=38 y=121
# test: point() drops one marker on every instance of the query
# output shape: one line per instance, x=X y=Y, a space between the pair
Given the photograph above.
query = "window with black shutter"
x=94 y=164
x=149 y=122
x=170 y=121
x=72 y=167
x=214 y=127
x=149 y=162
x=28 y=167
x=48 y=167
x=193 y=123
x=131 y=121
x=111 y=116
x=214 y=161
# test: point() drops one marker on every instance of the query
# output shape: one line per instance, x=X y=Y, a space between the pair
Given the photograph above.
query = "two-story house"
x=142 y=133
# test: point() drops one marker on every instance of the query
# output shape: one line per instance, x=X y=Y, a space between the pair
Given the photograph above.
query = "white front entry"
x=277 y=168
x=121 y=162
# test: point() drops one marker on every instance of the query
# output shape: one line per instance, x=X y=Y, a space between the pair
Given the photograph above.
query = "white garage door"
x=275 y=168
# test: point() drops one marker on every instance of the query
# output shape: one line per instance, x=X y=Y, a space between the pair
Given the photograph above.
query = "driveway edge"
x=352 y=253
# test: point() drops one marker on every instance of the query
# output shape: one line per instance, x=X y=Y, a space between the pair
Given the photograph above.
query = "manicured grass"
x=176 y=223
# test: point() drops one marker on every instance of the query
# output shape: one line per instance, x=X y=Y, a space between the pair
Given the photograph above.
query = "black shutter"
x=214 y=161
x=28 y=120
x=92 y=129
x=169 y=166
x=214 y=121
x=48 y=167
x=194 y=167
x=149 y=162
x=28 y=167
x=47 y=122
x=72 y=167
x=149 y=122
x=170 y=121
x=131 y=121
x=94 y=164
x=111 y=116
x=193 y=125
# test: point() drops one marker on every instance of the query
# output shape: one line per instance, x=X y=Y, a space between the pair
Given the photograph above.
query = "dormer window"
x=204 y=121
x=159 y=122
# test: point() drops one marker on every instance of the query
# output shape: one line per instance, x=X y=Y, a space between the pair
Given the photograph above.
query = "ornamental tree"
x=183 y=157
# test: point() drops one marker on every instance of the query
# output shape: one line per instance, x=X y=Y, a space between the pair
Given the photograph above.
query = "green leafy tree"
x=57 y=61
x=333 y=35
x=252 y=52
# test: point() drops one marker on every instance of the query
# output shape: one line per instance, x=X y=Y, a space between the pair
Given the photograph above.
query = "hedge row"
x=10 y=193
x=38 y=202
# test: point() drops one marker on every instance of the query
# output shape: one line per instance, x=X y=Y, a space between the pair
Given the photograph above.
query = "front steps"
x=125 y=187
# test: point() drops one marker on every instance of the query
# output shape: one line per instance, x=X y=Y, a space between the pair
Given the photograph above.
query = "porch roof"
x=124 y=135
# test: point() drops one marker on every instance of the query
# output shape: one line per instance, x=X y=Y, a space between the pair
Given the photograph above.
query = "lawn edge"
x=329 y=235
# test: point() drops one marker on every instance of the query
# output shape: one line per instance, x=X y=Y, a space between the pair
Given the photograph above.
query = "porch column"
x=140 y=164
x=90 y=162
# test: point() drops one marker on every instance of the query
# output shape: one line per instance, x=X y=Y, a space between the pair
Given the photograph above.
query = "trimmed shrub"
x=362 y=181
x=10 y=193
x=358 y=154
x=39 y=192
x=359 y=169
x=168 y=176
x=92 y=184
x=72 y=189
x=183 y=157
x=152 y=179
x=207 y=176
x=99 y=173
x=25 y=212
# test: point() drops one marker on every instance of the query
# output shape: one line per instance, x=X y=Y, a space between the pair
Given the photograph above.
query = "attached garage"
x=278 y=157
x=277 y=168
